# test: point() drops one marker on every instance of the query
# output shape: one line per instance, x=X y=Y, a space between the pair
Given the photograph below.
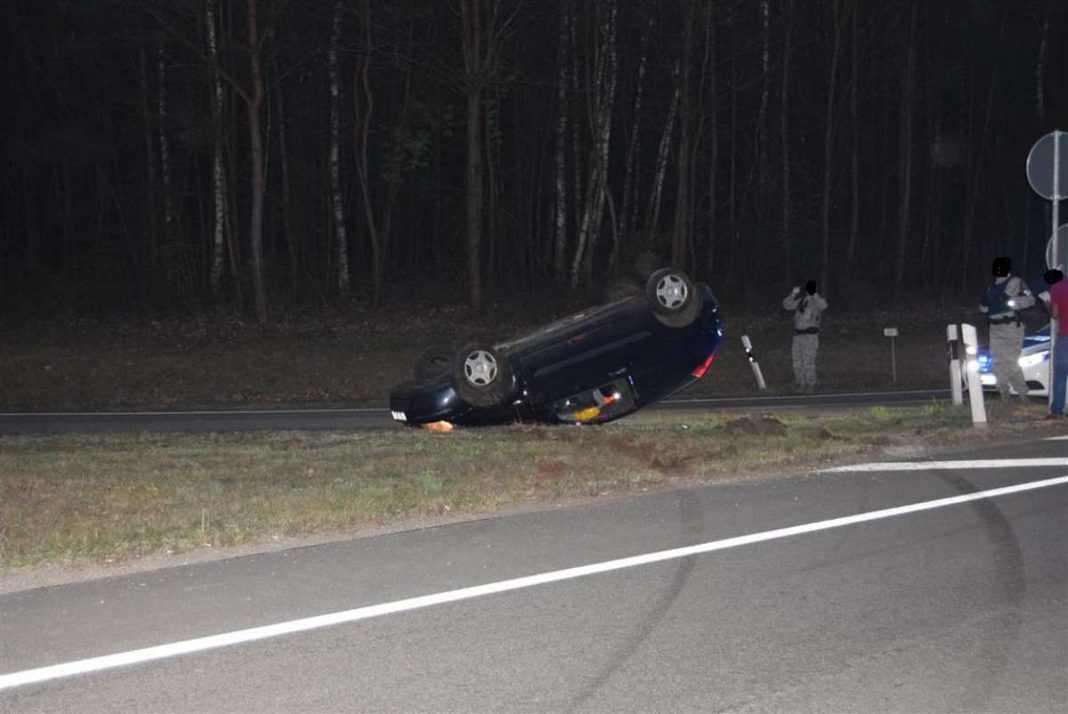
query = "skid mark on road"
x=202 y=644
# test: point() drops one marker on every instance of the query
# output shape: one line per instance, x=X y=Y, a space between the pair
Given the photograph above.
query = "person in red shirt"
x=1058 y=307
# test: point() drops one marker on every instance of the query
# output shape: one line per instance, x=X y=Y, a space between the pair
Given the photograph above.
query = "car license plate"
x=399 y=416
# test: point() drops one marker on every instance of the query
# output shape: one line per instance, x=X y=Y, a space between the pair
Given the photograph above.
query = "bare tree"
x=337 y=202
x=854 y=144
x=784 y=141
x=1040 y=71
x=828 y=145
x=164 y=142
x=653 y=215
x=905 y=152
x=628 y=212
x=150 y=174
x=560 y=152
x=713 y=159
x=220 y=201
x=254 y=106
x=680 y=235
x=603 y=104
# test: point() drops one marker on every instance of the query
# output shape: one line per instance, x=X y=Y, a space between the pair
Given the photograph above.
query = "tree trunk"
x=287 y=191
x=905 y=139
x=760 y=153
x=254 y=104
x=394 y=168
x=971 y=199
x=1040 y=71
x=784 y=139
x=337 y=202
x=164 y=145
x=680 y=234
x=713 y=168
x=151 y=221
x=606 y=73
x=854 y=147
x=362 y=85
x=828 y=150
x=732 y=180
x=560 y=152
x=474 y=81
x=653 y=215
x=218 y=174
x=630 y=202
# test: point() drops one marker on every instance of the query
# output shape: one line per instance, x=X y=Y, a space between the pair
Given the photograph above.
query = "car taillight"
x=700 y=370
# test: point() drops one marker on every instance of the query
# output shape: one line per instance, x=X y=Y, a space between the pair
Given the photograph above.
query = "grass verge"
x=83 y=499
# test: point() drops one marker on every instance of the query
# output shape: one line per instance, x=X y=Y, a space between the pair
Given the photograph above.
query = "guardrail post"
x=956 y=380
x=975 y=387
x=748 y=345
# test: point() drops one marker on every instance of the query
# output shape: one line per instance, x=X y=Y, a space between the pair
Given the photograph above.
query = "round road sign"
x=1040 y=165
x=1061 y=239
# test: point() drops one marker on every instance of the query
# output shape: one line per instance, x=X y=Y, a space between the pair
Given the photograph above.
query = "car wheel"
x=482 y=376
x=673 y=297
x=433 y=362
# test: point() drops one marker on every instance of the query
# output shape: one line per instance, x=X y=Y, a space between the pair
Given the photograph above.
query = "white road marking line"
x=1057 y=438
x=936 y=465
x=201 y=644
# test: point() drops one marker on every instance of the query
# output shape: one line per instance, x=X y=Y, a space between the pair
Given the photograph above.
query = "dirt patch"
x=763 y=425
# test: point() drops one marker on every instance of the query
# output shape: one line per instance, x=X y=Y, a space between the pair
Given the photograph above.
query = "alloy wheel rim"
x=480 y=368
x=671 y=292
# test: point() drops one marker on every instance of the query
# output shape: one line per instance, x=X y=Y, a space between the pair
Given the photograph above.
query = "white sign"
x=1047 y=165
x=889 y=332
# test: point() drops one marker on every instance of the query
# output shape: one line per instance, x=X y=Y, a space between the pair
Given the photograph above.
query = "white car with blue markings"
x=1034 y=361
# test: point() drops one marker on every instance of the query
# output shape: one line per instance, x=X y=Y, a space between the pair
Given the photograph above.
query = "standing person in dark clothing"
x=1001 y=303
x=808 y=310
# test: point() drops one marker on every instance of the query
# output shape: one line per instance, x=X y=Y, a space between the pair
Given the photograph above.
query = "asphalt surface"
x=959 y=608
x=376 y=418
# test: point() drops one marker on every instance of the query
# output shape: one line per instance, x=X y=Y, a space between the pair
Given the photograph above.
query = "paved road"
x=961 y=607
x=377 y=418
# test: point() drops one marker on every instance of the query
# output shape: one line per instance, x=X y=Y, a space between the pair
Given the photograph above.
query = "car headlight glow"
x=973 y=365
x=1032 y=360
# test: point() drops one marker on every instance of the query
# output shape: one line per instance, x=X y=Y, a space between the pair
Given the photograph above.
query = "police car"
x=1034 y=361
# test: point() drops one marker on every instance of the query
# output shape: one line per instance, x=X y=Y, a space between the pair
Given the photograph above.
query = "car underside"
x=587 y=368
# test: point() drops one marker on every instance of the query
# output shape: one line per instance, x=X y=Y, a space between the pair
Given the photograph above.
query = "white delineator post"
x=955 y=378
x=748 y=345
x=975 y=387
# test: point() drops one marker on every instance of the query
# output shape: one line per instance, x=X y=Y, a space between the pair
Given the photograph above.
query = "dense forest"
x=259 y=154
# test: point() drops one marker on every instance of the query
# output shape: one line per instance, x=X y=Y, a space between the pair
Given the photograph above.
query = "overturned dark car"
x=588 y=368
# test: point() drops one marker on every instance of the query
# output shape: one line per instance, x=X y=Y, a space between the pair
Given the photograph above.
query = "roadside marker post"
x=956 y=380
x=975 y=387
x=891 y=332
x=748 y=345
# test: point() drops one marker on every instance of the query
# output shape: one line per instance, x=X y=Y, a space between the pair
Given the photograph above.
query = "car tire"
x=482 y=375
x=433 y=362
x=673 y=297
